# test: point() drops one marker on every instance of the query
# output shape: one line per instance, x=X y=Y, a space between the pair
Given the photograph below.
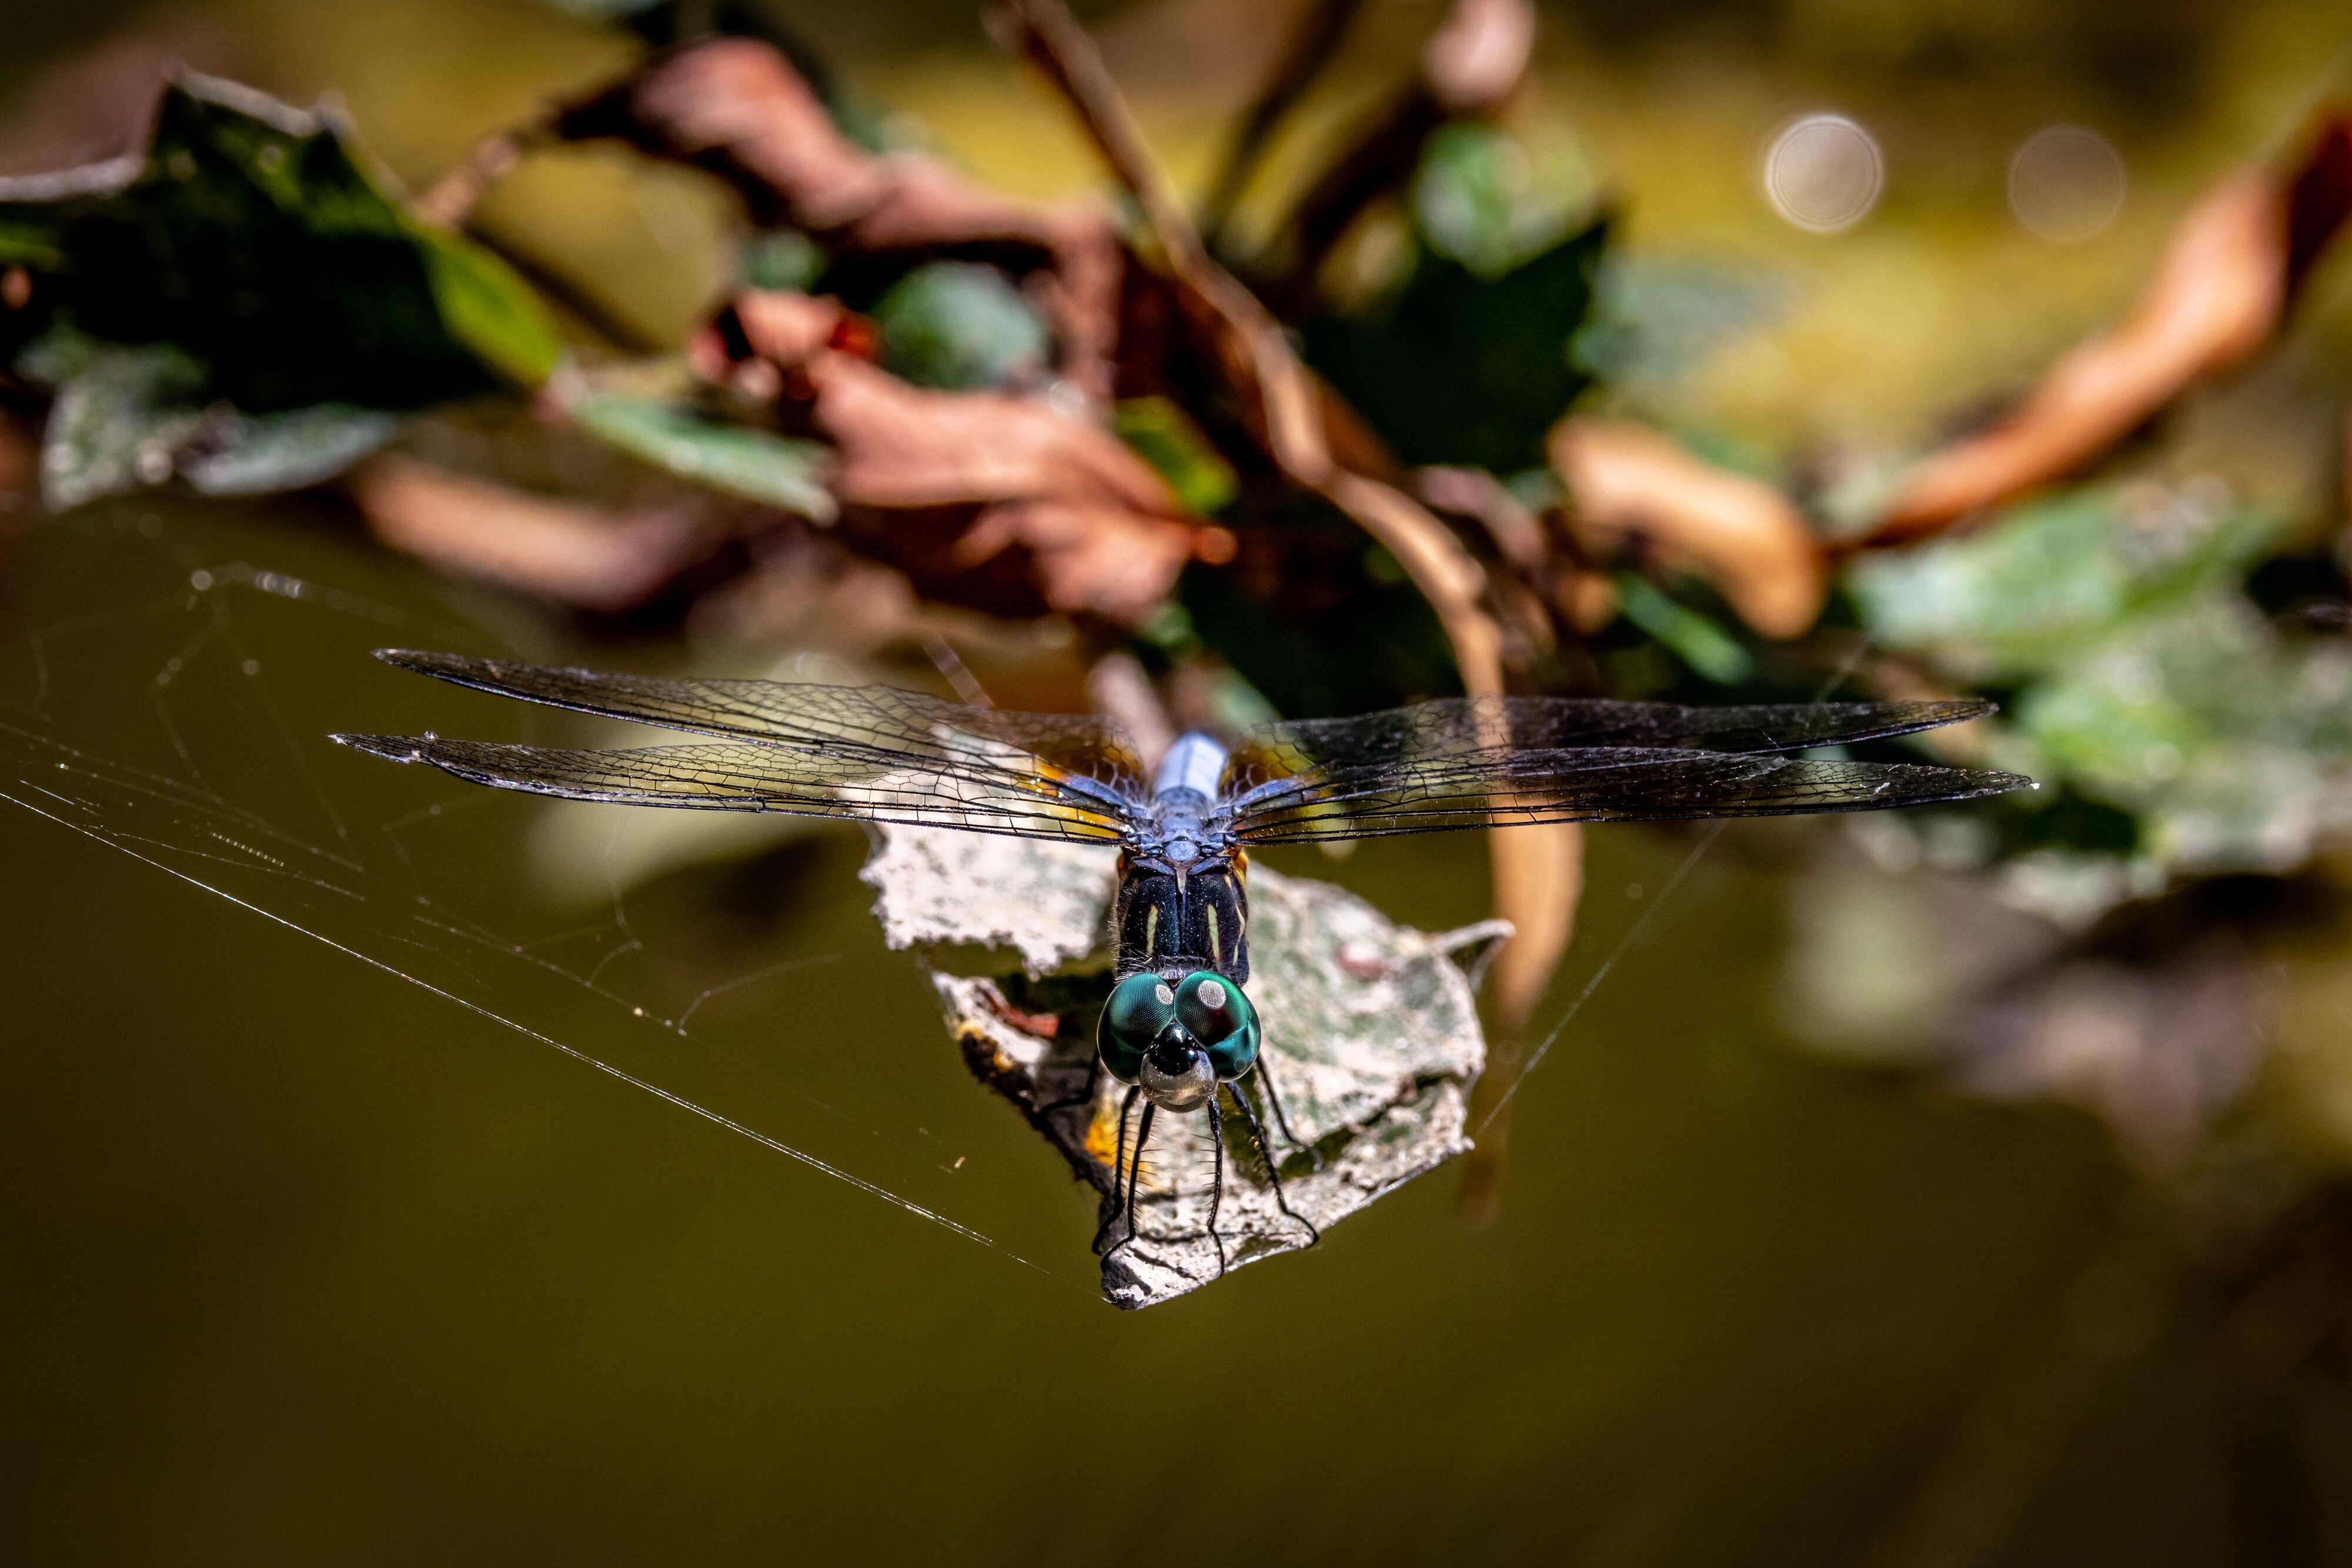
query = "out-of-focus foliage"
x=126 y=417
x=2143 y=675
x=1165 y=437
x=1465 y=358
x=251 y=237
x=958 y=325
x=2031 y=592
x=1654 y=320
x=738 y=460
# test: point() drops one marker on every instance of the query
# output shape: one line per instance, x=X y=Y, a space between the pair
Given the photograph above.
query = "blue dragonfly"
x=1178 y=1029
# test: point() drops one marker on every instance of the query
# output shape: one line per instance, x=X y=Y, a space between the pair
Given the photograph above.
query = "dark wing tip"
x=1957 y=710
x=391 y=747
x=423 y=663
x=1970 y=783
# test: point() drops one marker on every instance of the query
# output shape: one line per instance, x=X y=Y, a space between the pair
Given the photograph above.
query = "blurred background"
x=1961 y=1187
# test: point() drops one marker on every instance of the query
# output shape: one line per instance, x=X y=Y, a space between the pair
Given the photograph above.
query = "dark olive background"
x=309 y=1263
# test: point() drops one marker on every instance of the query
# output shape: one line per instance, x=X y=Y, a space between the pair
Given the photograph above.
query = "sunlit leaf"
x=757 y=464
x=2055 y=575
x=263 y=454
x=2229 y=742
x=782 y=260
x=1163 y=435
x=1482 y=200
x=959 y=324
x=253 y=238
x=1698 y=642
x=118 y=420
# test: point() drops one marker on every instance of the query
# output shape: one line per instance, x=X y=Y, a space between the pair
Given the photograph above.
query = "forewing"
x=879 y=726
x=728 y=777
x=1584 y=784
x=1461 y=724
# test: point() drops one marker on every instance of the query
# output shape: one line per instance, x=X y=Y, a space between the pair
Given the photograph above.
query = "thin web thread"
x=1713 y=831
x=683 y=1104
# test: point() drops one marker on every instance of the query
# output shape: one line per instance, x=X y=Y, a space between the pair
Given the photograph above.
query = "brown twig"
x=1379 y=160
x=1473 y=61
x=1279 y=397
x=1305 y=53
x=1257 y=356
x=2219 y=295
x=454 y=196
x=1537 y=868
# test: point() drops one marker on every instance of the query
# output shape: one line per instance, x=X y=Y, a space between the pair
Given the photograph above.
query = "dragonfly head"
x=1179 y=1039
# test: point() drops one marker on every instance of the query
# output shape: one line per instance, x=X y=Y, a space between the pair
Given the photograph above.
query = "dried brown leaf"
x=2218 y=296
x=1082 y=559
x=585 y=556
x=1372 y=1038
x=785 y=328
x=1002 y=500
x=1740 y=533
x=904 y=445
x=737 y=107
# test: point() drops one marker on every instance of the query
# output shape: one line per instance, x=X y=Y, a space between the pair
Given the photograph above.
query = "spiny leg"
x=1273 y=1171
x=1217 y=1188
x=1083 y=1097
x=1273 y=1100
x=1143 y=1136
x=1118 y=1167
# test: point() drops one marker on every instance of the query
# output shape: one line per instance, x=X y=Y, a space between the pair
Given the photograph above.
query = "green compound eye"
x=1213 y=1011
x=1139 y=1007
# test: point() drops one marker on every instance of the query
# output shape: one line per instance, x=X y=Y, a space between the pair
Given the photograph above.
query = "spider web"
x=170 y=671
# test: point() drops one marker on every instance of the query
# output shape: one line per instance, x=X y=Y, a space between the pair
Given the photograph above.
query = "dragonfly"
x=1180 y=1031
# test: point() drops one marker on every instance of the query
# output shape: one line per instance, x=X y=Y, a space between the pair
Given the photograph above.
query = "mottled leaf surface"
x=1372 y=1041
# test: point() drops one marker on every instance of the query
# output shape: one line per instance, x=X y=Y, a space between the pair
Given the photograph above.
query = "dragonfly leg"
x=1143 y=1136
x=1273 y=1172
x=1217 y=1188
x=1274 y=1101
x=1083 y=1097
x=1117 y=1167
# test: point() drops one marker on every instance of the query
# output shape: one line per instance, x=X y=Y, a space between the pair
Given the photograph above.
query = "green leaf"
x=489 y=309
x=1479 y=199
x=1164 y=435
x=2231 y=743
x=782 y=260
x=251 y=237
x=754 y=464
x=28 y=238
x=122 y=418
x=1654 y=322
x=2055 y=576
x=265 y=453
x=960 y=325
x=1710 y=651
x=1459 y=368
x=119 y=421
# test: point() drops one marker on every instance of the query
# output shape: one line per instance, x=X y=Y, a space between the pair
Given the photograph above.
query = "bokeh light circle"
x=1823 y=172
x=2066 y=184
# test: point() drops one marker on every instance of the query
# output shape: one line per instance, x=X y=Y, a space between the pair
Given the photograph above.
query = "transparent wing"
x=732 y=777
x=1085 y=763
x=1585 y=784
x=1457 y=725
